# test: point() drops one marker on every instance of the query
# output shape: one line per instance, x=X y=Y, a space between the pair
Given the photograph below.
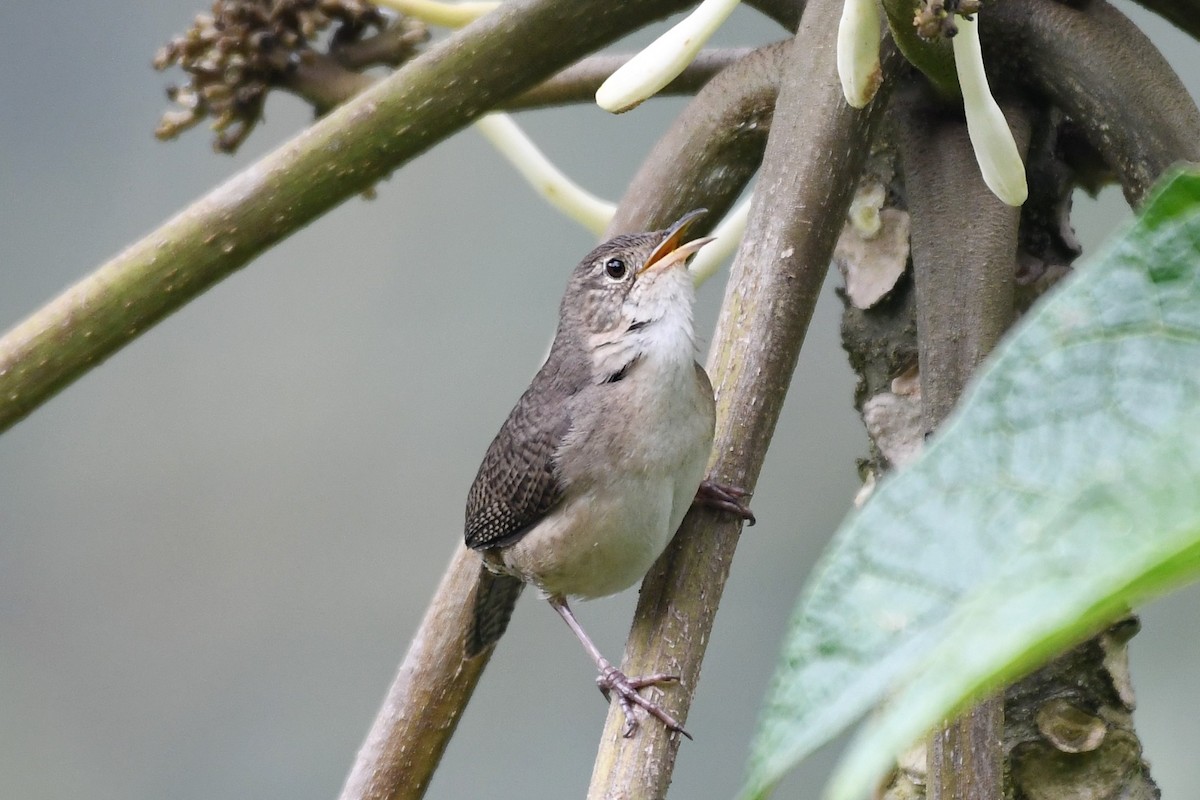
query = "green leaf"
x=1063 y=490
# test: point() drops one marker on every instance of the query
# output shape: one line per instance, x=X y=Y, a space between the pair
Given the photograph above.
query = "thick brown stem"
x=425 y=701
x=964 y=248
x=965 y=758
x=815 y=150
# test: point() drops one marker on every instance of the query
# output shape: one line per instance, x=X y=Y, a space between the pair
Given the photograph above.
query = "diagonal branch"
x=431 y=97
x=425 y=701
x=815 y=150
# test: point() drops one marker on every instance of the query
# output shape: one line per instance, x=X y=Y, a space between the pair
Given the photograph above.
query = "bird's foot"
x=725 y=498
x=612 y=681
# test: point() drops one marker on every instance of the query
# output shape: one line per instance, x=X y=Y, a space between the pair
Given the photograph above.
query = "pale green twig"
x=545 y=178
x=347 y=151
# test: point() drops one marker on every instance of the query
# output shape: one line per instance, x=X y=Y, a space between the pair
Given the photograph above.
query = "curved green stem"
x=348 y=151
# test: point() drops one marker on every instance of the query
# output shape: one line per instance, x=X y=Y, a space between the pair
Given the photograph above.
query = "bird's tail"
x=495 y=598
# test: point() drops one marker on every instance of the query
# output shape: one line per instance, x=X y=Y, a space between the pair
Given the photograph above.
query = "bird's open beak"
x=674 y=247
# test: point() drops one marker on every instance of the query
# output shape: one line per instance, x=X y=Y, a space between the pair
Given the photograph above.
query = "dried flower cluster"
x=934 y=19
x=234 y=56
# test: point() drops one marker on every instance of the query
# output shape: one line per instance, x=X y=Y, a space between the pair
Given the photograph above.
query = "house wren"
x=602 y=456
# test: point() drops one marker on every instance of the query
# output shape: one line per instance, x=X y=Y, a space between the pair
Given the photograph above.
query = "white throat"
x=656 y=327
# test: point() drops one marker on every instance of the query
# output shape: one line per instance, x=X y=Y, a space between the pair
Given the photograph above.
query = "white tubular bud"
x=663 y=59
x=727 y=235
x=858 y=52
x=546 y=179
x=995 y=148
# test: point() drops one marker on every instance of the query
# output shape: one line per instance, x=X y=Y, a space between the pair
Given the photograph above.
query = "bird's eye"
x=615 y=268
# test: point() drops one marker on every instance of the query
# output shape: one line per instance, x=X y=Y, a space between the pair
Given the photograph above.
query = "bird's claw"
x=725 y=498
x=611 y=680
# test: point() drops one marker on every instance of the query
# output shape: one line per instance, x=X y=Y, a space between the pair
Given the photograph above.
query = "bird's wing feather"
x=518 y=482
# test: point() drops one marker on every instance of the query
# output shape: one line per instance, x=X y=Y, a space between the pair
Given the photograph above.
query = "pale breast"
x=632 y=465
x=598 y=542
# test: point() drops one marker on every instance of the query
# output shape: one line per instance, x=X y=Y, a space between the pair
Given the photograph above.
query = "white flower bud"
x=727 y=235
x=662 y=61
x=858 y=52
x=995 y=148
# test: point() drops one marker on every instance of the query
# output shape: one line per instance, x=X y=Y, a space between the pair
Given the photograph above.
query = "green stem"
x=341 y=155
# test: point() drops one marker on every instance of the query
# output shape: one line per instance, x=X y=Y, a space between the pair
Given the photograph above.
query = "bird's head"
x=634 y=281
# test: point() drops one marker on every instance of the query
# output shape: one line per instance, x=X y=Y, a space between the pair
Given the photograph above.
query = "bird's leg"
x=724 y=498
x=613 y=680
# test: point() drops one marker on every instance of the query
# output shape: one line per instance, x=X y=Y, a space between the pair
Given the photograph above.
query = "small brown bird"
x=602 y=456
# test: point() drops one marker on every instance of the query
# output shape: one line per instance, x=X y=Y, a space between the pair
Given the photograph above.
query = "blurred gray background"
x=214 y=549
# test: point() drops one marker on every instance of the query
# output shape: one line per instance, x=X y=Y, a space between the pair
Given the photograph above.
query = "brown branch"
x=964 y=248
x=1095 y=65
x=323 y=83
x=815 y=150
x=427 y=697
x=394 y=45
x=351 y=149
x=964 y=284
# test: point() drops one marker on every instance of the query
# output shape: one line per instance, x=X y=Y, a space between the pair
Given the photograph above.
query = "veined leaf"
x=1063 y=489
